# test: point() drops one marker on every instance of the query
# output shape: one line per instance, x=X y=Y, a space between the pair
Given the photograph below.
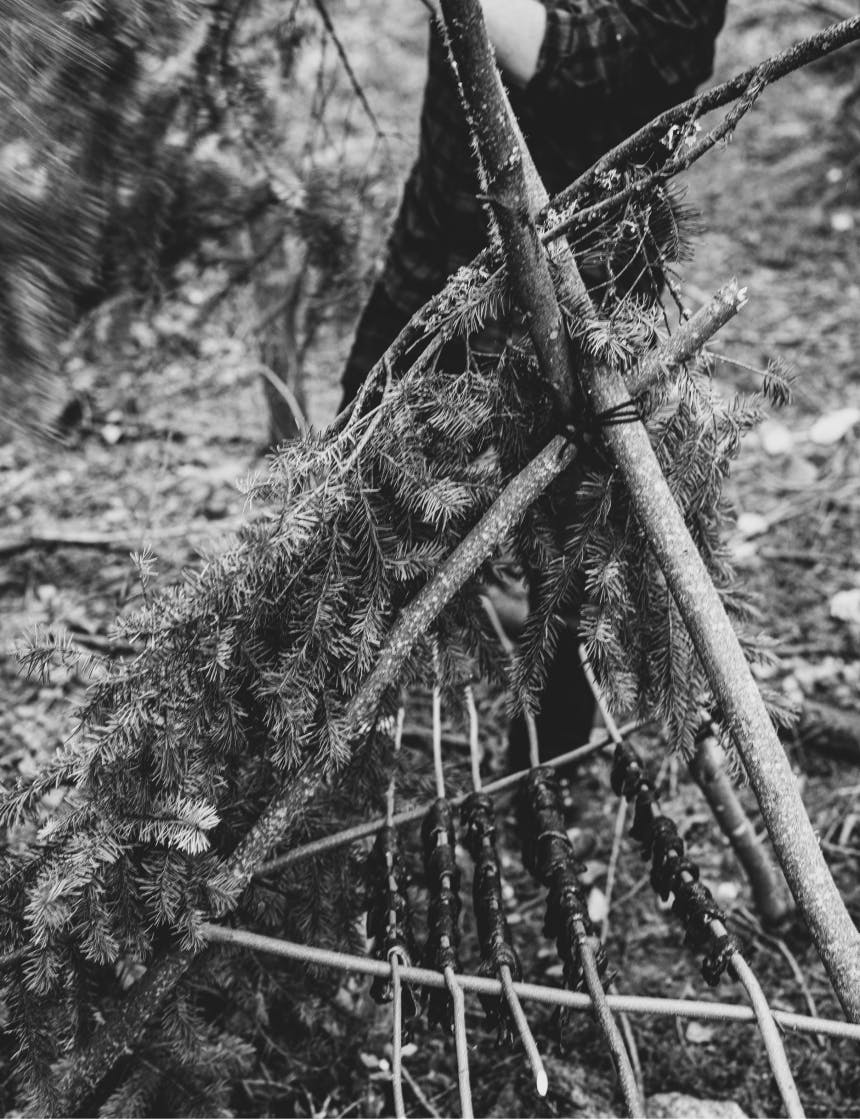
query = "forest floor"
x=168 y=428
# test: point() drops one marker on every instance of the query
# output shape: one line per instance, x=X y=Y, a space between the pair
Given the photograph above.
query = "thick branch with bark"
x=709 y=770
x=503 y=160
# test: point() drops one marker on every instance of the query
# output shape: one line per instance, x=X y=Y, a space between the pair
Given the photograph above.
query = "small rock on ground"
x=675 y=1105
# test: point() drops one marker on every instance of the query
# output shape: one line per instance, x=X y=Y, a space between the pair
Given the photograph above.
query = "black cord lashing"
x=588 y=426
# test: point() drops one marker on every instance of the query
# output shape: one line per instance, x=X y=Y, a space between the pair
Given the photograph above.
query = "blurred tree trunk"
x=279 y=286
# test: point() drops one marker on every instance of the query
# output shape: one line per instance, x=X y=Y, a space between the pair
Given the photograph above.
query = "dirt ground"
x=171 y=422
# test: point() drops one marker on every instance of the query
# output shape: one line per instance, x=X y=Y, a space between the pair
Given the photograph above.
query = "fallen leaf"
x=775 y=438
x=845 y=605
x=752 y=524
x=841 y=221
x=834 y=426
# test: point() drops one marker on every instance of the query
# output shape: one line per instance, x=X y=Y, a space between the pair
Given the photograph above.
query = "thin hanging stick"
x=611 y=870
x=438 y=767
x=612 y=867
x=517 y=1013
x=599 y=698
x=397 y=1038
x=621 y=816
x=524 y=1030
x=395 y=956
x=768 y=1029
x=474 y=744
x=460 y=1043
x=608 y=1026
x=549 y=996
x=457 y=1001
x=409 y=815
x=673 y=874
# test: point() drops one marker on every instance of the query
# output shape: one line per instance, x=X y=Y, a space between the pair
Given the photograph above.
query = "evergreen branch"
x=120 y=1035
x=743 y=709
x=416 y=617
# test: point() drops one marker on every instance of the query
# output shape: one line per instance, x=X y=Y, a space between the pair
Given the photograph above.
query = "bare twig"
x=397 y=1037
x=549 y=996
x=770 y=1036
x=507 y=980
x=347 y=65
x=607 y=1025
x=287 y=395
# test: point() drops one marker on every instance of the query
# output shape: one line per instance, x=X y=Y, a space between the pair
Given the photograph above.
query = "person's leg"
x=380 y=323
x=567 y=708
